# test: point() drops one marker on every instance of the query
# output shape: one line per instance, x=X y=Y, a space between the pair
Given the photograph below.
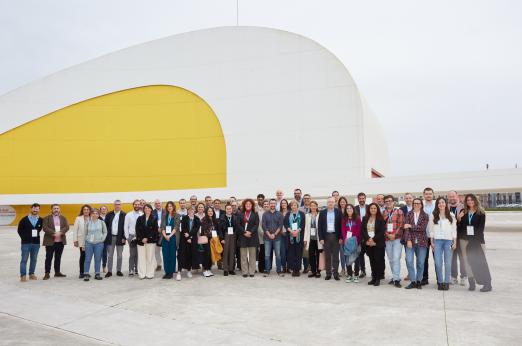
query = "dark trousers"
x=454 y=265
x=261 y=258
x=55 y=250
x=206 y=261
x=104 y=256
x=376 y=255
x=229 y=252
x=313 y=256
x=331 y=253
x=295 y=256
x=362 y=260
x=238 y=258
x=355 y=266
x=82 y=260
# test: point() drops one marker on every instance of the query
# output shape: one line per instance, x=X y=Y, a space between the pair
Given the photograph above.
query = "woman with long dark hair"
x=373 y=228
x=187 y=253
x=209 y=228
x=147 y=235
x=471 y=224
x=351 y=228
x=248 y=239
x=283 y=209
x=79 y=234
x=415 y=225
x=442 y=229
x=341 y=205
x=169 y=226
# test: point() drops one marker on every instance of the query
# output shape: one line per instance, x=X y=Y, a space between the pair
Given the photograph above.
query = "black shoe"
x=59 y=275
x=397 y=284
x=445 y=286
x=486 y=288
x=231 y=272
x=225 y=273
x=382 y=277
x=108 y=275
x=372 y=281
x=424 y=282
x=471 y=282
x=412 y=284
x=245 y=275
x=439 y=287
x=166 y=276
x=86 y=277
x=391 y=282
x=327 y=277
x=419 y=286
x=311 y=275
x=318 y=275
x=377 y=283
x=336 y=277
x=81 y=276
x=363 y=274
x=251 y=275
x=119 y=274
x=97 y=277
x=306 y=270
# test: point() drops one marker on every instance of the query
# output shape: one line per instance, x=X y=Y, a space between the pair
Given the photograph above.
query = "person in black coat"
x=115 y=237
x=373 y=229
x=210 y=226
x=330 y=237
x=147 y=235
x=471 y=222
x=248 y=224
x=294 y=223
x=29 y=229
x=362 y=209
x=187 y=252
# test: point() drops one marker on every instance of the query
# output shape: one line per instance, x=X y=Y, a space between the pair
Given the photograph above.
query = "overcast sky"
x=444 y=77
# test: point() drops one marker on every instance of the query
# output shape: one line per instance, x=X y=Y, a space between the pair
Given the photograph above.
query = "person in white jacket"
x=311 y=240
x=442 y=229
x=79 y=234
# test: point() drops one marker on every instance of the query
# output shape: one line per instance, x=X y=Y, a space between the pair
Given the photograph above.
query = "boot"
x=471 y=282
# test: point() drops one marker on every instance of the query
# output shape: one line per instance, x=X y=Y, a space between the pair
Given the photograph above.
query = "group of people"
x=304 y=238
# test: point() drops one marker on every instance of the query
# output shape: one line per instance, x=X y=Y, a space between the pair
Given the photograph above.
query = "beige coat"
x=79 y=231
x=308 y=226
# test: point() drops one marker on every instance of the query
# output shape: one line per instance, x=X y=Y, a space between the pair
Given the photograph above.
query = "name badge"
x=371 y=234
x=348 y=234
x=390 y=228
x=330 y=226
x=246 y=225
x=214 y=234
x=230 y=230
x=34 y=233
x=294 y=226
x=56 y=229
x=168 y=230
x=159 y=223
x=312 y=231
x=470 y=230
x=416 y=241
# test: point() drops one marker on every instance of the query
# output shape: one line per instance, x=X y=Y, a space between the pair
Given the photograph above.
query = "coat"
x=48 y=228
x=252 y=225
x=79 y=230
x=147 y=230
x=121 y=224
x=380 y=231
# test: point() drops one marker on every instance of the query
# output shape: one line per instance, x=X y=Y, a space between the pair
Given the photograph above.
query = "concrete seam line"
x=445 y=318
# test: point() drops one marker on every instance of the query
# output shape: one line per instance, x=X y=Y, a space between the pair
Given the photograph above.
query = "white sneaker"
x=189 y=274
x=210 y=273
x=463 y=281
x=178 y=276
x=206 y=274
x=356 y=279
x=349 y=279
x=454 y=281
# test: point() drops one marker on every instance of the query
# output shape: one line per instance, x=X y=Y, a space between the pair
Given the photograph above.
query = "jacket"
x=48 y=228
x=478 y=221
x=252 y=225
x=121 y=226
x=308 y=227
x=96 y=234
x=175 y=230
x=79 y=230
x=25 y=230
x=380 y=230
x=323 y=215
x=148 y=229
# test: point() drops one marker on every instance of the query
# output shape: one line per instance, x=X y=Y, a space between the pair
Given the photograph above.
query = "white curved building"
x=224 y=111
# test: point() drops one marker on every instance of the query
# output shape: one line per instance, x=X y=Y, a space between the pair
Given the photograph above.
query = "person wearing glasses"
x=373 y=230
x=394 y=227
x=147 y=235
x=416 y=238
x=95 y=234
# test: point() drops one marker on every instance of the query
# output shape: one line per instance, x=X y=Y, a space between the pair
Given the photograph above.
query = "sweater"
x=443 y=229
x=25 y=230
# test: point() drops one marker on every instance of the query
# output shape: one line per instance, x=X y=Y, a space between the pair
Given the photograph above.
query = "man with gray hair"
x=115 y=222
x=455 y=207
x=158 y=212
x=330 y=237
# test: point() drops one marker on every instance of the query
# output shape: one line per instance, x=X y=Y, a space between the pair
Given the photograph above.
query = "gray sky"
x=444 y=77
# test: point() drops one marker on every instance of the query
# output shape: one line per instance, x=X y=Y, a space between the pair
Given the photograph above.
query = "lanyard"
x=247 y=217
x=390 y=214
x=349 y=224
x=229 y=221
x=470 y=217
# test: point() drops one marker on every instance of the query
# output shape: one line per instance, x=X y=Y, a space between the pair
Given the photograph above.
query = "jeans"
x=55 y=250
x=443 y=250
x=269 y=245
x=420 y=254
x=90 y=250
x=168 y=248
x=394 y=251
x=32 y=251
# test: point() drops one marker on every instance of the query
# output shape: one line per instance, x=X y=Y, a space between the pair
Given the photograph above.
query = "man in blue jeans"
x=29 y=229
x=272 y=223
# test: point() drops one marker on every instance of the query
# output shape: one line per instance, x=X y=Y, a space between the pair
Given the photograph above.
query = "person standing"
x=394 y=228
x=272 y=225
x=442 y=229
x=341 y=205
x=55 y=226
x=284 y=238
x=187 y=253
x=330 y=237
x=158 y=215
x=294 y=223
x=408 y=199
x=279 y=198
x=229 y=250
x=130 y=234
x=311 y=239
x=362 y=209
x=351 y=230
x=79 y=234
x=261 y=235
x=29 y=228
x=115 y=222
x=429 y=206
x=103 y=214
x=373 y=230
x=193 y=202
x=147 y=236
x=472 y=221
x=248 y=239
x=168 y=226
x=95 y=234
x=182 y=211
x=298 y=197
x=379 y=199
x=415 y=235
x=209 y=229
x=306 y=203
x=455 y=207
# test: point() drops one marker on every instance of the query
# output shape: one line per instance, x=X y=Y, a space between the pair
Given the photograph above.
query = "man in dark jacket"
x=115 y=221
x=29 y=229
x=330 y=237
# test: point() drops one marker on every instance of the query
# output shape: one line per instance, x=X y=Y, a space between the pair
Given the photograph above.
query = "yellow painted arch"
x=142 y=139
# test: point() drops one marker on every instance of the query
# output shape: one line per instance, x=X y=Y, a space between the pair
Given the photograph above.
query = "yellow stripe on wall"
x=142 y=139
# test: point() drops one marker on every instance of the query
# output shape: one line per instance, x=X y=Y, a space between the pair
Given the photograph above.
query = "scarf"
x=297 y=219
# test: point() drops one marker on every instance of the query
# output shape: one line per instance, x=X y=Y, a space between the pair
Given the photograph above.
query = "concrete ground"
x=234 y=310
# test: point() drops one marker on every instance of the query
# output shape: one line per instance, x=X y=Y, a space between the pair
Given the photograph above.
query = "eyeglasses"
x=417 y=203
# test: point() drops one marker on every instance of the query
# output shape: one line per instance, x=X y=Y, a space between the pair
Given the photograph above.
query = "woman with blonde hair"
x=95 y=234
